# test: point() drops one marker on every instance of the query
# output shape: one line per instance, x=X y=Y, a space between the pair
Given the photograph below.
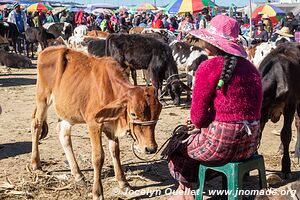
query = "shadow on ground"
x=14 y=149
x=11 y=82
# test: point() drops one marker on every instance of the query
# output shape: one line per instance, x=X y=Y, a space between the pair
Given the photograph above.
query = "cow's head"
x=141 y=109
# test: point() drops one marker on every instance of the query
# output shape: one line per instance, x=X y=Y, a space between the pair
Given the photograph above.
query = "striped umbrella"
x=146 y=6
x=274 y=13
x=38 y=7
x=192 y=6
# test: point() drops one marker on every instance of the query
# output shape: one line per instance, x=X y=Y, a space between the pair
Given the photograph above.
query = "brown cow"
x=95 y=91
x=136 y=29
x=99 y=34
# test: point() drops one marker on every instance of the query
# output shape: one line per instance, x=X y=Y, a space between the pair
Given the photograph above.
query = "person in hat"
x=36 y=19
x=226 y=104
x=49 y=17
x=284 y=32
x=288 y=21
x=260 y=34
x=18 y=17
x=268 y=24
x=258 y=17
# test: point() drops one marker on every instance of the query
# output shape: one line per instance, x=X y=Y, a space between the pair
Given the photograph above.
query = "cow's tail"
x=44 y=124
x=107 y=45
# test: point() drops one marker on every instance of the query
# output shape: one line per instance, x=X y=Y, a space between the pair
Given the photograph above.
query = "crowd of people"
x=263 y=29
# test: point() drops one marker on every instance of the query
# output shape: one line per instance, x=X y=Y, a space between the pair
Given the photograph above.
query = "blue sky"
x=162 y=2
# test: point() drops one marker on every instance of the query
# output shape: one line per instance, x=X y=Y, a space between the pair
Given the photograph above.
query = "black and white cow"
x=188 y=58
x=164 y=32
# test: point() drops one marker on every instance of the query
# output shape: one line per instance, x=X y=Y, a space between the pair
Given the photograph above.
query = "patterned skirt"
x=219 y=143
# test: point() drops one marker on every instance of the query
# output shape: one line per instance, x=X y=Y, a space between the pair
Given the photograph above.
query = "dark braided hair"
x=227 y=71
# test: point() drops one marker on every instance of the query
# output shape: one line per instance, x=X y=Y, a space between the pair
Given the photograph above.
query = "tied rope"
x=182 y=134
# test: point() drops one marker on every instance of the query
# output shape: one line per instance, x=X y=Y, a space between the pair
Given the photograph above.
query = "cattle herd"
x=85 y=74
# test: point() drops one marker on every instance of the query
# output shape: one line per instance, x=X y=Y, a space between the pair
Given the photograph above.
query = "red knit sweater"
x=239 y=99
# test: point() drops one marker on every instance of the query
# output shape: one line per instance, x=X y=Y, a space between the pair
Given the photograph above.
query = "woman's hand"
x=190 y=125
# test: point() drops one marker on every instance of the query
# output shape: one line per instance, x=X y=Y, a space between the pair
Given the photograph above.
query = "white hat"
x=265 y=16
x=285 y=31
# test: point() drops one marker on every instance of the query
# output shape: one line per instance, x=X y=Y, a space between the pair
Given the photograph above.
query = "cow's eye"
x=133 y=115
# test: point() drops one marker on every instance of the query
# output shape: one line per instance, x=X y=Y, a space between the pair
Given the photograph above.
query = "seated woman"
x=260 y=34
x=226 y=106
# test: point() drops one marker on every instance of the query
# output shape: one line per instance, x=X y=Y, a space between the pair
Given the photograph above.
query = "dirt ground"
x=17 y=181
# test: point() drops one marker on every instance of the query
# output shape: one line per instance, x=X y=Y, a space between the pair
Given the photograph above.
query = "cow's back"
x=137 y=50
x=78 y=84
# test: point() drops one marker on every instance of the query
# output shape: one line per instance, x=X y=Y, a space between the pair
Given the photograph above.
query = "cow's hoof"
x=280 y=149
x=288 y=176
x=81 y=182
x=36 y=165
x=297 y=156
x=273 y=179
x=126 y=189
x=98 y=198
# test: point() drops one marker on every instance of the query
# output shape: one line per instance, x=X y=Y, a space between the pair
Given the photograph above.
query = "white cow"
x=80 y=31
x=169 y=34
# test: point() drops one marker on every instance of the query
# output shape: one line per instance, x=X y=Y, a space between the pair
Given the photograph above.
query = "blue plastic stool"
x=234 y=173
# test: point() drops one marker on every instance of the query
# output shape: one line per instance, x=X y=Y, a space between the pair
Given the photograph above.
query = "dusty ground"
x=17 y=181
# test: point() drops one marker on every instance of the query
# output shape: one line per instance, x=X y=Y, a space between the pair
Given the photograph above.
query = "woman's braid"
x=227 y=71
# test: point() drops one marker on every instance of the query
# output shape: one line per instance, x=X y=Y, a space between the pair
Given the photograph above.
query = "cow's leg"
x=133 y=75
x=297 y=123
x=14 y=44
x=146 y=77
x=64 y=130
x=32 y=51
x=155 y=81
x=286 y=135
x=115 y=154
x=38 y=119
x=27 y=49
x=97 y=160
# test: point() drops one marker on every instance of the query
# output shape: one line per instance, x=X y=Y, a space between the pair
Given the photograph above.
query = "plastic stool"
x=234 y=171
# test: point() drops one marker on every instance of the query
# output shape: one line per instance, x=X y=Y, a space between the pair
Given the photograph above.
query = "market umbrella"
x=58 y=10
x=274 y=13
x=38 y=7
x=192 y=6
x=103 y=11
x=8 y=6
x=146 y=6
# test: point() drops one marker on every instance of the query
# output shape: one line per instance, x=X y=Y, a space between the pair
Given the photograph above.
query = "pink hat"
x=222 y=33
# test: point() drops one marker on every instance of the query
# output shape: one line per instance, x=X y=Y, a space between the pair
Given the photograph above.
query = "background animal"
x=188 y=58
x=139 y=52
x=281 y=94
x=168 y=34
x=10 y=31
x=37 y=36
x=64 y=30
x=13 y=60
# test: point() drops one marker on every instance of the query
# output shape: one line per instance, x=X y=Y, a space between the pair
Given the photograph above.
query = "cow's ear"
x=111 y=111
